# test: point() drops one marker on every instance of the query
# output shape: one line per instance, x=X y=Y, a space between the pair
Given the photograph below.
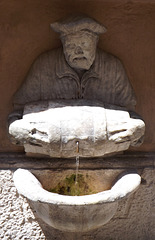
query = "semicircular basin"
x=74 y=213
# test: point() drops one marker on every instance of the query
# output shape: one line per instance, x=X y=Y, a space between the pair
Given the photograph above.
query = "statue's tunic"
x=50 y=77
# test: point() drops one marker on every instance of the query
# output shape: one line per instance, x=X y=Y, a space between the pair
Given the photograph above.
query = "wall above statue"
x=25 y=33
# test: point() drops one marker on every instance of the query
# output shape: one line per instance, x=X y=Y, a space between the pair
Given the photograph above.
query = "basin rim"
x=29 y=186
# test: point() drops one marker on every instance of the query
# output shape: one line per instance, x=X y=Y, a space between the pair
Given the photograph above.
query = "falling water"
x=77 y=162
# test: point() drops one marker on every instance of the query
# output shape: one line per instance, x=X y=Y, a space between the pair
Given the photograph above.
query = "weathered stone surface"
x=79 y=70
x=75 y=213
x=53 y=128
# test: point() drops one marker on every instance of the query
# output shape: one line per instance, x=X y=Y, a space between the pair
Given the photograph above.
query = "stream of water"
x=77 y=162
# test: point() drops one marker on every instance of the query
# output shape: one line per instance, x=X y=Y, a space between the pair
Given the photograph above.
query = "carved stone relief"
x=69 y=95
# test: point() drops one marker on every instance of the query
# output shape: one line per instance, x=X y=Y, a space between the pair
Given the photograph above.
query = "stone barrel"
x=53 y=128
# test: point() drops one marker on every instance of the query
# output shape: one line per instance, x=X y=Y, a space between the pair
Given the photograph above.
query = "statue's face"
x=80 y=49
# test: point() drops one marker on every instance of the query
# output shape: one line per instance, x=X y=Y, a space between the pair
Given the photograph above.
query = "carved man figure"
x=78 y=70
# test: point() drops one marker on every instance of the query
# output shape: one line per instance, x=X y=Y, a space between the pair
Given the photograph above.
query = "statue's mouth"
x=79 y=58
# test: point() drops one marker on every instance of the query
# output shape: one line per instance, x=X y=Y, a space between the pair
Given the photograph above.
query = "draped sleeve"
x=124 y=94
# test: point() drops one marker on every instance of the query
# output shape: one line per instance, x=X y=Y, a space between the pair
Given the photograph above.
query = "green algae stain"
x=70 y=188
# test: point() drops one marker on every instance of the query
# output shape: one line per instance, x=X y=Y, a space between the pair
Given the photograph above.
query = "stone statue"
x=77 y=72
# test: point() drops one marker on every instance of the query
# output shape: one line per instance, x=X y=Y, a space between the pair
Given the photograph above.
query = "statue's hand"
x=16 y=115
x=138 y=142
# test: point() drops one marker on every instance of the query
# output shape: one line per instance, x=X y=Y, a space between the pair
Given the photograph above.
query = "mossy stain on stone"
x=70 y=187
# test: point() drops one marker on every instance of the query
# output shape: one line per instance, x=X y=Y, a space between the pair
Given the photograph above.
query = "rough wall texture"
x=16 y=218
x=25 y=33
x=134 y=218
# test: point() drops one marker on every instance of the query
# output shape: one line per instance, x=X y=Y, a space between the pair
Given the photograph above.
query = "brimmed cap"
x=78 y=23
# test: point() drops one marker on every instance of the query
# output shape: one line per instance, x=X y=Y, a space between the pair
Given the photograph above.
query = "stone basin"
x=75 y=213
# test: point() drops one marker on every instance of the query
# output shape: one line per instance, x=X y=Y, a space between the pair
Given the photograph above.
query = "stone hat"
x=78 y=23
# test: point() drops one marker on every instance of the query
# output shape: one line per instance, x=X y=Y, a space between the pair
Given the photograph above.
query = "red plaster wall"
x=25 y=33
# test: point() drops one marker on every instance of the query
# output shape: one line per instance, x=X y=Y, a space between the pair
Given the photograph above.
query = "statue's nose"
x=78 y=50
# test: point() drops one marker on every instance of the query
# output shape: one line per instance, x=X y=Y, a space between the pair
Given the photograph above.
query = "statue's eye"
x=84 y=45
x=71 y=46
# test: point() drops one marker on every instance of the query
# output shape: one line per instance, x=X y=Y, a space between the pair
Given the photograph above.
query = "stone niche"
x=25 y=33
